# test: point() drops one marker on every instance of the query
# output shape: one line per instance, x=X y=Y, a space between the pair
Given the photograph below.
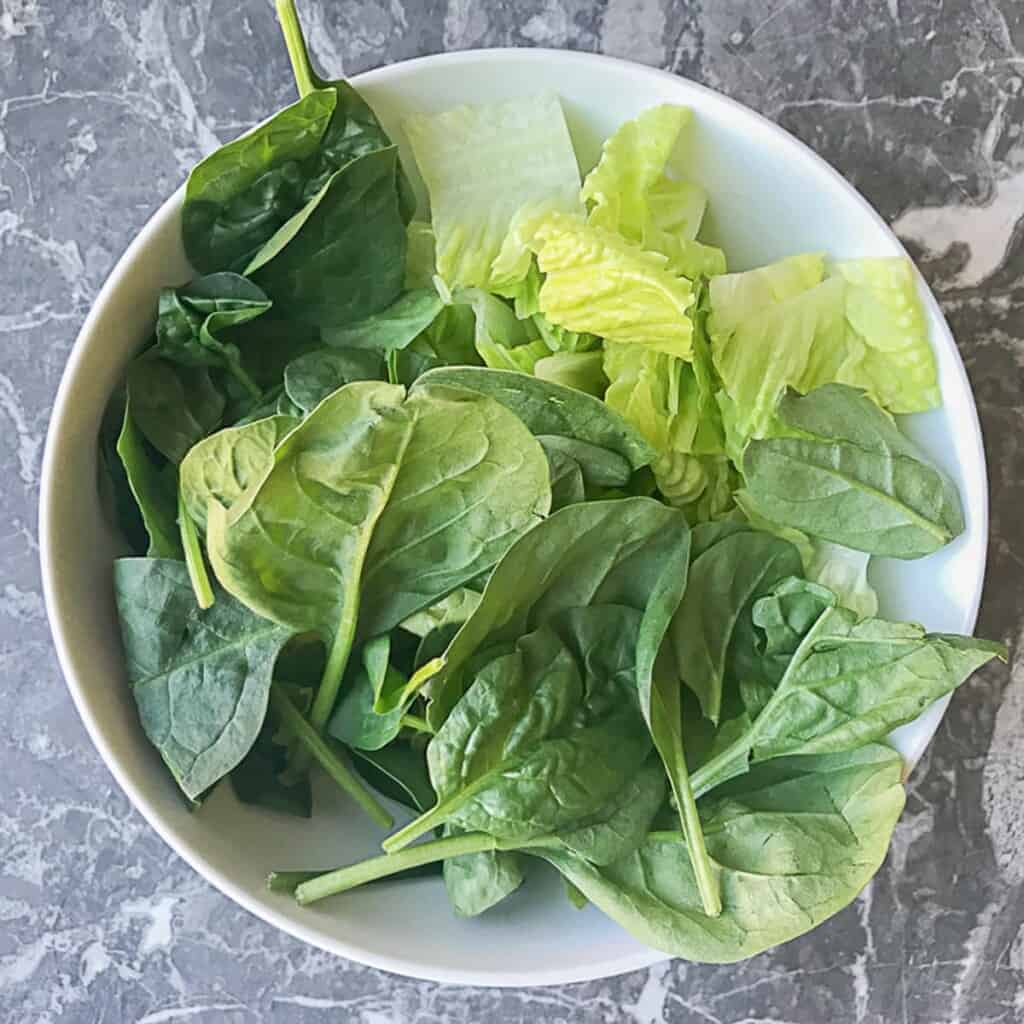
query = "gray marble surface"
x=103 y=108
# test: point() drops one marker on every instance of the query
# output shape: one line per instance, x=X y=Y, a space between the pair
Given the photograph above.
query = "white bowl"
x=770 y=197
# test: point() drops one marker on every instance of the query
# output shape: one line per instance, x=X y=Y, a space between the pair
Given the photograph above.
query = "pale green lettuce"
x=598 y=283
x=489 y=170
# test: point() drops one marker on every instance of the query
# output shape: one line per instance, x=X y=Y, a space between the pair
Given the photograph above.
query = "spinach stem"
x=194 y=562
x=417 y=722
x=305 y=78
x=437 y=815
x=243 y=378
x=316 y=745
x=334 y=670
x=703 y=873
x=354 y=875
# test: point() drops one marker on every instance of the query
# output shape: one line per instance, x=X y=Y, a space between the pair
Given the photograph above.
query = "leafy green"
x=725 y=580
x=887 y=335
x=490 y=170
x=200 y=678
x=341 y=258
x=191 y=320
x=595 y=553
x=581 y=370
x=366 y=715
x=849 y=476
x=551 y=410
x=597 y=282
x=793 y=843
x=152 y=488
x=222 y=466
x=309 y=379
x=173 y=406
x=475 y=882
x=347 y=524
x=848 y=683
x=524 y=751
x=399 y=772
x=393 y=328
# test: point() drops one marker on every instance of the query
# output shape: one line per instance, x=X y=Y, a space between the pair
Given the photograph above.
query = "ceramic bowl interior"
x=769 y=197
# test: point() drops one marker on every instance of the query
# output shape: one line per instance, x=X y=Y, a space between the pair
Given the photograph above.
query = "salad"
x=530 y=520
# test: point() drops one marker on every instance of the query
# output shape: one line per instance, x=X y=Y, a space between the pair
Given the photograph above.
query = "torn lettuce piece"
x=799 y=342
x=581 y=370
x=845 y=572
x=633 y=192
x=489 y=171
x=887 y=336
x=599 y=283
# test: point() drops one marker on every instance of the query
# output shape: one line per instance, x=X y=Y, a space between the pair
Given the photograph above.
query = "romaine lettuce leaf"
x=599 y=283
x=581 y=370
x=489 y=171
x=631 y=191
x=798 y=342
x=887 y=336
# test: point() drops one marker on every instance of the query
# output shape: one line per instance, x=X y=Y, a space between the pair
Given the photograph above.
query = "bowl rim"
x=51 y=588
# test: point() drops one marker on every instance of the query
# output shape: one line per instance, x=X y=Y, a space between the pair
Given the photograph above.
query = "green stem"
x=703 y=873
x=342 y=879
x=437 y=815
x=305 y=78
x=194 y=562
x=334 y=670
x=243 y=378
x=417 y=722
x=392 y=366
x=315 y=744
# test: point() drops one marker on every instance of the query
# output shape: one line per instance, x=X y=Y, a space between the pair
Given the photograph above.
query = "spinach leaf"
x=393 y=328
x=849 y=683
x=622 y=826
x=341 y=257
x=524 y=752
x=725 y=581
x=191 y=321
x=793 y=844
x=173 y=406
x=596 y=553
x=263 y=778
x=660 y=691
x=358 y=518
x=353 y=129
x=223 y=465
x=153 y=489
x=566 y=479
x=368 y=715
x=475 y=882
x=599 y=467
x=238 y=197
x=317 y=374
x=200 y=679
x=398 y=771
x=118 y=502
x=551 y=409
x=849 y=476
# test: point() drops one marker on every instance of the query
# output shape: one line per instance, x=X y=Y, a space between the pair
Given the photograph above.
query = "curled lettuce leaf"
x=631 y=191
x=889 y=354
x=599 y=283
x=490 y=170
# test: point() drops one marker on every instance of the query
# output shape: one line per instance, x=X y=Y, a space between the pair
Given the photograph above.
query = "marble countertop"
x=104 y=106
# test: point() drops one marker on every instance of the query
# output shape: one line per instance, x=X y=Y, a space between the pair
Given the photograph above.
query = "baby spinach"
x=552 y=409
x=200 y=679
x=842 y=471
x=153 y=489
x=398 y=771
x=524 y=751
x=311 y=377
x=357 y=505
x=191 y=321
x=725 y=581
x=475 y=882
x=173 y=406
x=595 y=553
x=793 y=843
x=849 y=683
x=341 y=257
x=222 y=466
x=393 y=328
x=368 y=715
